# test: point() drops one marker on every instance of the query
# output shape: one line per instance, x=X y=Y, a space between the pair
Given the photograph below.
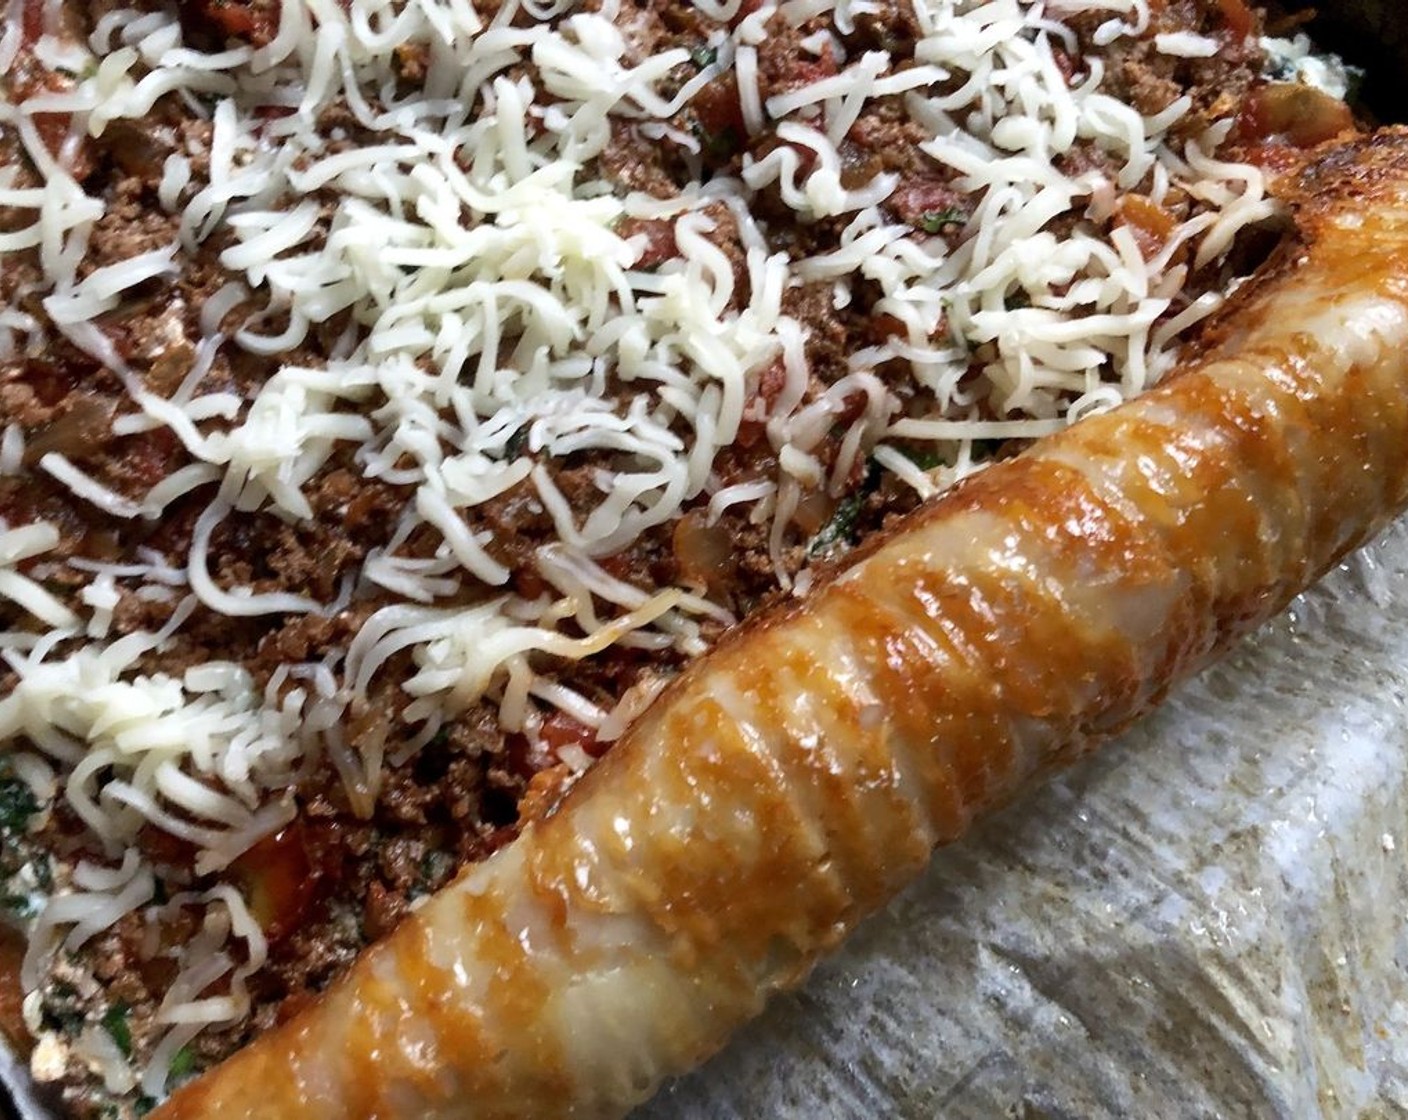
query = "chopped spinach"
x=115 y=1023
x=841 y=528
x=436 y=866
x=936 y=221
x=43 y=873
x=719 y=146
x=516 y=443
x=20 y=905
x=703 y=56
x=17 y=804
x=925 y=458
x=183 y=1062
x=62 y=1009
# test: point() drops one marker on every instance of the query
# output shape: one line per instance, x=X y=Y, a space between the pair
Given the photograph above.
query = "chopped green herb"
x=61 y=1011
x=17 y=804
x=43 y=873
x=183 y=1062
x=516 y=443
x=144 y=1104
x=1017 y=300
x=703 y=56
x=841 y=528
x=20 y=905
x=925 y=458
x=435 y=868
x=936 y=221
x=719 y=146
x=725 y=144
x=115 y=1023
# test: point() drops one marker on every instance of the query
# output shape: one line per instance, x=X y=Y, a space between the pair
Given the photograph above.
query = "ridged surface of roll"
x=795 y=778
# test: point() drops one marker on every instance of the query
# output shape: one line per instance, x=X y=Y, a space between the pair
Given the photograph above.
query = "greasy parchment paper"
x=1208 y=918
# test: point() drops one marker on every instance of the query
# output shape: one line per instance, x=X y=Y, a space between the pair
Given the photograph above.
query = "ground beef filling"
x=341 y=876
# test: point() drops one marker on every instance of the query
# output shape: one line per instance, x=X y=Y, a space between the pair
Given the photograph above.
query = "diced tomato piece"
x=31 y=21
x=751 y=430
x=151 y=456
x=1295 y=113
x=1238 y=15
x=252 y=21
x=750 y=433
x=930 y=205
x=746 y=9
x=560 y=730
x=803 y=71
x=524 y=758
x=853 y=405
x=54 y=129
x=234 y=21
x=771 y=381
x=717 y=109
x=53 y=380
x=529 y=583
x=279 y=880
x=619 y=564
x=12 y=1028
x=163 y=848
x=659 y=240
x=1150 y=223
x=921 y=199
x=885 y=327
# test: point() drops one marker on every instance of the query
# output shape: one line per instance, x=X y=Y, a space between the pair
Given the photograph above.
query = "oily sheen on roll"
x=793 y=780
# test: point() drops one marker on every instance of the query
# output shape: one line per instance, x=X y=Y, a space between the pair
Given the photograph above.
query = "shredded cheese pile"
x=498 y=322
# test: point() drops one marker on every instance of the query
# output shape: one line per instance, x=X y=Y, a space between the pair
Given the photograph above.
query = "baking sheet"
x=1206 y=919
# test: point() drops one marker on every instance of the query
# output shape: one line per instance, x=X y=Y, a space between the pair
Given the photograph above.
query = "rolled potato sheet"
x=793 y=780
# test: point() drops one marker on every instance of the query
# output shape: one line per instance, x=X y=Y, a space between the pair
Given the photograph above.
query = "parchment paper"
x=1208 y=918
